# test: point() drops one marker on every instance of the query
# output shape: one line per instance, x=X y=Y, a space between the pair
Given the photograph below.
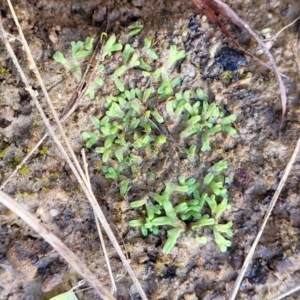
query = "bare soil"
x=257 y=157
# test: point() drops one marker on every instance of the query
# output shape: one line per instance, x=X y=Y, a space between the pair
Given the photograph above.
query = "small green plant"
x=137 y=124
x=79 y=50
x=23 y=170
x=180 y=207
x=135 y=28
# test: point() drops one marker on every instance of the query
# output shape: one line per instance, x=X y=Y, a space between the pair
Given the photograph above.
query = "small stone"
x=193 y=24
x=53 y=38
x=54 y=212
x=190 y=296
x=142 y=259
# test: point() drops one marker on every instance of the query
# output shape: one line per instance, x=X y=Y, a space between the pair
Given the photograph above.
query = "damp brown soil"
x=257 y=156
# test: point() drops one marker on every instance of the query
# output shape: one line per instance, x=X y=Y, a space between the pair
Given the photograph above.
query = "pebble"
x=54 y=212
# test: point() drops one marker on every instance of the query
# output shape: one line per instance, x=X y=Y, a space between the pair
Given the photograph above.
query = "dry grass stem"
x=113 y=284
x=9 y=178
x=290 y=292
x=273 y=38
x=265 y=220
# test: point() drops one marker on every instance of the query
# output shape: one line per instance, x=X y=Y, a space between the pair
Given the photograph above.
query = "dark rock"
x=230 y=59
x=193 y=24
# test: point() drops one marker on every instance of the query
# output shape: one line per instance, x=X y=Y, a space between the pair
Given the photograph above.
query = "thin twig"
x=275 y=69
x=19 y=166
x=84 y=83
x=113 y=284
x=265 y=220
x=275 y=36
x=290 y=292
x=76 y=170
